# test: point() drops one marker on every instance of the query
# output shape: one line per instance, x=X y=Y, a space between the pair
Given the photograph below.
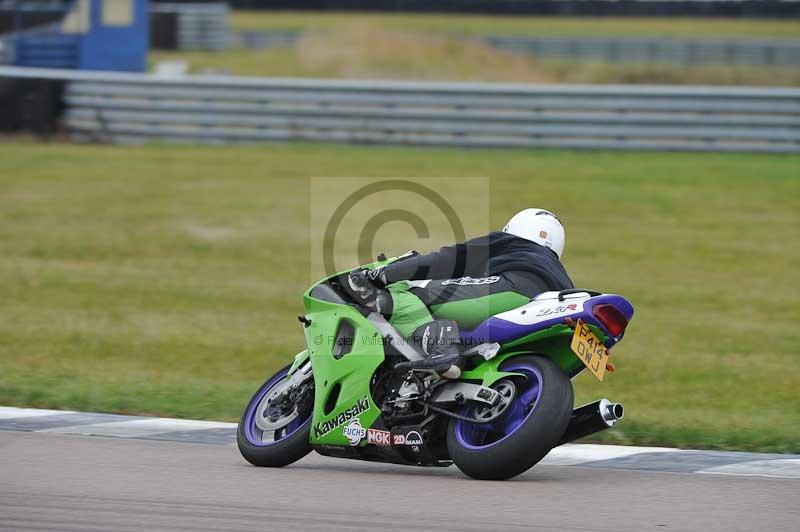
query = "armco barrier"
x=200 y=26
x=648 y=50
x=640 y=50
x=6 y=51
x=106 y=107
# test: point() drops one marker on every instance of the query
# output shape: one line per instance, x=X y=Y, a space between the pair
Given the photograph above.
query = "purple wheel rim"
x=477 y=436
x=252 y=432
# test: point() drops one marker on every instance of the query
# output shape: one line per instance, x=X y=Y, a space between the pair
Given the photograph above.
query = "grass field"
x=435 y=47
x=166 y=280
x=694 y=27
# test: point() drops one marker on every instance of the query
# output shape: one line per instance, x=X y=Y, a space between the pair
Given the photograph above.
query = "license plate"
x=590 y=350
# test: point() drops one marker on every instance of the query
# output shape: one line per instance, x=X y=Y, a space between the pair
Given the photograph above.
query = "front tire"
x=525 y=432
x=280 y=447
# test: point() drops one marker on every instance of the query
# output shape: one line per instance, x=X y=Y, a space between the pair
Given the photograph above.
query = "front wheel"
x=275 y=427
x=527 y=422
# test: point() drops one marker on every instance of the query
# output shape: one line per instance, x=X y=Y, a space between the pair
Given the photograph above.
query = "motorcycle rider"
x=428 y=296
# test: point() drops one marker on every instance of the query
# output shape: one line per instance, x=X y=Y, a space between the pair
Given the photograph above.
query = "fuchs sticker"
x=557 y=310
x=321 y=429
x=379 y=437
x=399 y=439
x=354 y=431
x=464 y=281
x=413 y=438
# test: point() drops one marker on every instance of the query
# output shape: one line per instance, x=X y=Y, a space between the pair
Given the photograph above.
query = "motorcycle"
x=513 y=403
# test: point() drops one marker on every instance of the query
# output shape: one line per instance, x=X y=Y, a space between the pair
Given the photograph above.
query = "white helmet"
x=540 y=226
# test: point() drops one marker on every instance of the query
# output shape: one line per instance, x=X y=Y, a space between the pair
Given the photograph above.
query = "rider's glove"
x=376 y=277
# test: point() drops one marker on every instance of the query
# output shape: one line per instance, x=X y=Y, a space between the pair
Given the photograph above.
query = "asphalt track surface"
x=77 y=483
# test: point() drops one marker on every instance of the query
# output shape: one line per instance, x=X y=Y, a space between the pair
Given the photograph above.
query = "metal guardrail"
x=645 y=50
x=123 y=108
x=45 y=47
x=200 y=26
x=6 y=50
x=39 y=47
x=766 y=52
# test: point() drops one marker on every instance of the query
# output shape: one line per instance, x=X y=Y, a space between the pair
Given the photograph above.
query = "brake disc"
x=264 y=419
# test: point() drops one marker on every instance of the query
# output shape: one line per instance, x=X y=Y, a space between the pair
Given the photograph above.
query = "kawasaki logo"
x=321 y=429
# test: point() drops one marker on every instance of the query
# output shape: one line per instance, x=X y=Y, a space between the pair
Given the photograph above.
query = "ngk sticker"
x=379 y=437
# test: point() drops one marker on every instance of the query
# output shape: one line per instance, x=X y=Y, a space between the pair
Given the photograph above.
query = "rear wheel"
x=527 y=423
x=275 y=427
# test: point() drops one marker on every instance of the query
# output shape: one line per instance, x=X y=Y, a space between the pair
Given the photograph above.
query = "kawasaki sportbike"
x=344 y=397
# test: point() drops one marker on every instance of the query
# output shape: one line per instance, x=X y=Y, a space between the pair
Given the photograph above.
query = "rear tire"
x=292 y=446
x=511 y=446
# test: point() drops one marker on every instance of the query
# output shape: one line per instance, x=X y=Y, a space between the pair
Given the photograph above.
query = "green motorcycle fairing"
x=345 y=349
x=341 y=385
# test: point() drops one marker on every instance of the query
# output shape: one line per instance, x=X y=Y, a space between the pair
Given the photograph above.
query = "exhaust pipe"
x=592 y=418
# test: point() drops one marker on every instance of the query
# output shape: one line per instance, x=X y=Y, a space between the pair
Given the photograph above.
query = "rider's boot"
x=440 y=341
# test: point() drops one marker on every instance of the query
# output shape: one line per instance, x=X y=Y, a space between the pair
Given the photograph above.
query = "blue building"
x=89 y=35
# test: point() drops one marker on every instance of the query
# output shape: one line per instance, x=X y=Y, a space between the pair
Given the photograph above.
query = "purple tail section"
x=501 y=331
